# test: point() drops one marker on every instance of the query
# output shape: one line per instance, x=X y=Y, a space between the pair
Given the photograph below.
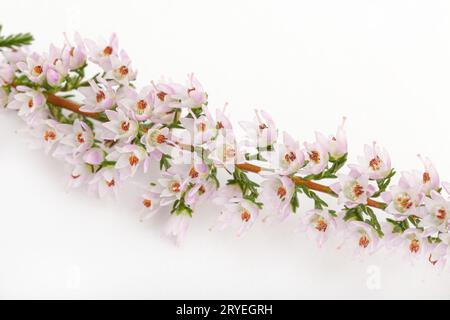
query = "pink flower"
x=150 y=204
x=202 y=129
x=414 y=243
x=177 y=227
x=437 y=217
x=156 y=141
x=57 y=69
x=376 y=162
x=26 y=101
x=138 y=105
x=94 y=156
x=171 y=187
x=430 y=176
x=317 y=158
x=80 y=139
x=291 y=157
x=128 y=159
x=353 y=189
x=101 y=52
x=262 y=132
x=105 y=182
x=80 y=174
x=335 y=145
x=35 y=68
x=74 y=55
x=318 y=224
x=363 y=237
x=277 y=193
x=236 y=211
x=121 y=126
x=405 y=198
x=6 y=74
x=98 y=97
x=48 y=134
x=121 y=70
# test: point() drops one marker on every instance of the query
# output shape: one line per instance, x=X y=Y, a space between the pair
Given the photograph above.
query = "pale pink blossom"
x=261 y=132
x=177 y=227
x=100 y=52
x=98 y=97
x=121 y=126
x=137 y=105
x=376 y=162
x=105 y=182
x=74 y=55
x=318 y=224
x=128 y=158
x=291 y=157
x=437 y=217
x=35 y=68
x=335 y=145
x=317 y=158
x=121 y=70
x=353 y=188
x=276 y=194
x=405 y=198
x=362 y=237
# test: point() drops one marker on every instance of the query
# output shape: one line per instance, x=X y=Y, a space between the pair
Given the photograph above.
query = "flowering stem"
x=248 y=167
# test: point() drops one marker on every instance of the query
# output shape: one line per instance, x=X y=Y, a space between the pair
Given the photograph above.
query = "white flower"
x=277 y=193
x=121 y=126
x=438 y=213
x=317 y=158
x=139 y=106
x=101 y=52
x=80 y=139
x=128 y=159
x=319 y=224
x=177 y=227
x=26 y=101
x=336 y=145
x=98 y=97
x=121 y=70
x=363 y=237
x=353 y=189
x=262 y=132
x=35 y=68
x=291 y=158
x=405 y=198
x=376 y=162
x=156 y=141
x=105 y=182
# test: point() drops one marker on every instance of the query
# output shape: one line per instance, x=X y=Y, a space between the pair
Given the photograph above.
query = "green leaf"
x=15 y=40
x=164 y=163
x=384 y=183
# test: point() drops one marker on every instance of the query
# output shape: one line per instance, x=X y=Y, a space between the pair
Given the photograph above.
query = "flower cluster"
x=117 y=132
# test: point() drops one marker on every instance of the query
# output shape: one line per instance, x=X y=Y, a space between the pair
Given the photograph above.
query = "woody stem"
x=248 y=167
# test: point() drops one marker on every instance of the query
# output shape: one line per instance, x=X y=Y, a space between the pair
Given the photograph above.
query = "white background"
x=383 y=64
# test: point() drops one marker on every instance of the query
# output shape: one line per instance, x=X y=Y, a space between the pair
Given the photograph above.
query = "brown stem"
x=248 y=167
x=69 y=105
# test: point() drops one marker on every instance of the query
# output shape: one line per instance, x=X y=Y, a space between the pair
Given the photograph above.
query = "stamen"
x=108 y=51
x=161 y=95
x=100 y=96
x=147 y=203
x=281 y=192
x=175 y=187
x=314 y=156
x=321 y=225
x=125 y=126
x=245 y=216
x=133 y=160
x=38 y=70
x=364 y=241
x=49 y=135
x=414 y=247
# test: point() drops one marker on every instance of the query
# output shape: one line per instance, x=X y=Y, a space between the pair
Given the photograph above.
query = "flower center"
x=133 y=160
x=314 y=156
x=75 y=177
x=161 y=95
x=321 y=225
x=263 y=126
x=100 y=96
x=49 y=135
x=375 y=163
x=175 y=187
x=110 y=183
x=141 y=105
x=80 y=138
x=364 y=241
x=201 y=126
x=403 y=202
x=125 y=126
x=123 y=70
x=202 y=190
x=245 y=216
x=193 y=173
x=147 y=203
x=219 y=125
x=30 y=103
x=414 y=246
x=290 y=157
x=353 y=190
x=426 y=177
x=108 y=51
x=281 y=192
x=160 y=139
x=37 y=70
x=441 y=214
